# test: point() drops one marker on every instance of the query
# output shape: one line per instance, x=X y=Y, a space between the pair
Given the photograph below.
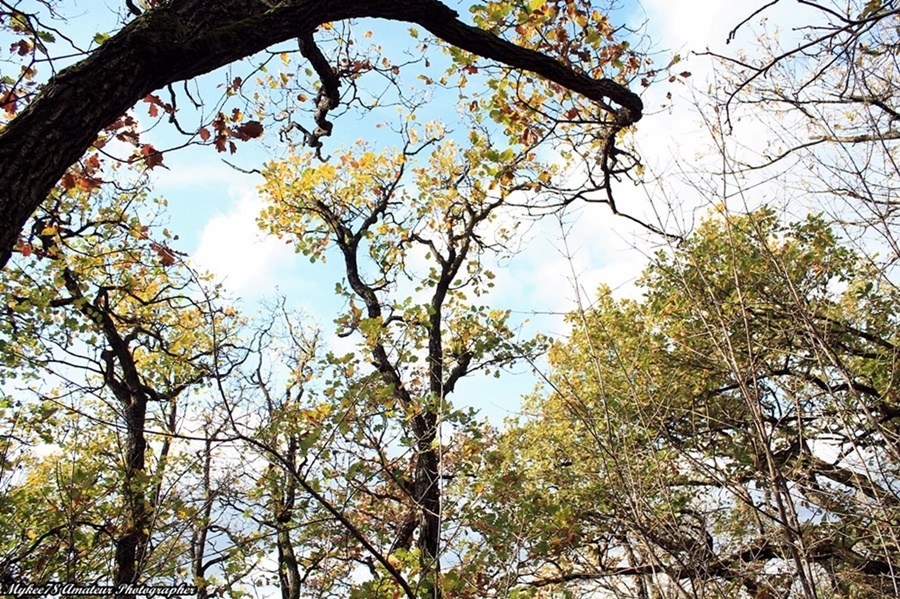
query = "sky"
x=563 y=260
x=229 y=243
x=213 y=207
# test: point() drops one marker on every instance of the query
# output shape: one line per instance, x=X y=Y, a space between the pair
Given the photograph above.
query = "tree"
x=413 y=351
x=103 y=326
x=181 y=39
x=340 y=473
x=829 y=94
x=734 y=433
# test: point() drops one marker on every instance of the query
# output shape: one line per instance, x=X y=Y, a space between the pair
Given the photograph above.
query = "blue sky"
x=212 y=207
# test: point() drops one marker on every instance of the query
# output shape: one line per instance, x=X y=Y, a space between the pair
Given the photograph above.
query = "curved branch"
x=186 y=38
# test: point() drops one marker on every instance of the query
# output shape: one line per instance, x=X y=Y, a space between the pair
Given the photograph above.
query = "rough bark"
x=186 y=38
x=121 y=376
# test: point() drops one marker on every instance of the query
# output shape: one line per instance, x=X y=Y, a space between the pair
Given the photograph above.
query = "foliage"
x=732 y=434
x=387 y=404
x=176 y=41
x=104 y=335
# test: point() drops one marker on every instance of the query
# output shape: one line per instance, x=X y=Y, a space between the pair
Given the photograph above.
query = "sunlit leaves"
x=363 y=184
x=669 y=414
x=574 y=32
x=31 y=38
x=102 y=305
x=411 y=227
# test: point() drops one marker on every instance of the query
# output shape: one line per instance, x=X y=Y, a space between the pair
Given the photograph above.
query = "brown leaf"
x=152 y=158
x=9 y=102
x=204 y=133
x=155 y=102
x=248 y=130
x=166 y=256
x=23 y=47
x=219 y=123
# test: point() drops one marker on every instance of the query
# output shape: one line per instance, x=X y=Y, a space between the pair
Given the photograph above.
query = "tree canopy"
x=727 y=427
x=177 y=40
x=732 y=434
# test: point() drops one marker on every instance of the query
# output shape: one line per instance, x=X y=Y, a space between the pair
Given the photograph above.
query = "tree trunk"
x=428 y=500
x=131 y=546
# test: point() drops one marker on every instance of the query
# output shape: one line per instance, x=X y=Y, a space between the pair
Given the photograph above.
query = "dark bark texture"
x=186 y=38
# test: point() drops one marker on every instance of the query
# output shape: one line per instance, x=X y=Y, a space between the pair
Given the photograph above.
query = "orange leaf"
x=8 y=102
x=204 y=133
x=152 y=157
x=89 y=183
x=166 y=256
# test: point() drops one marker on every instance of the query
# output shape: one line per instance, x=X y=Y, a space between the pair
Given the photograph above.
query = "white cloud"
x=234 y=249
x=594 y=246
x=694 y=25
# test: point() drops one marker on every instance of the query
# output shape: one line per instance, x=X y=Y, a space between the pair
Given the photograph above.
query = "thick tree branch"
x=186 y=38
x=329 y=95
